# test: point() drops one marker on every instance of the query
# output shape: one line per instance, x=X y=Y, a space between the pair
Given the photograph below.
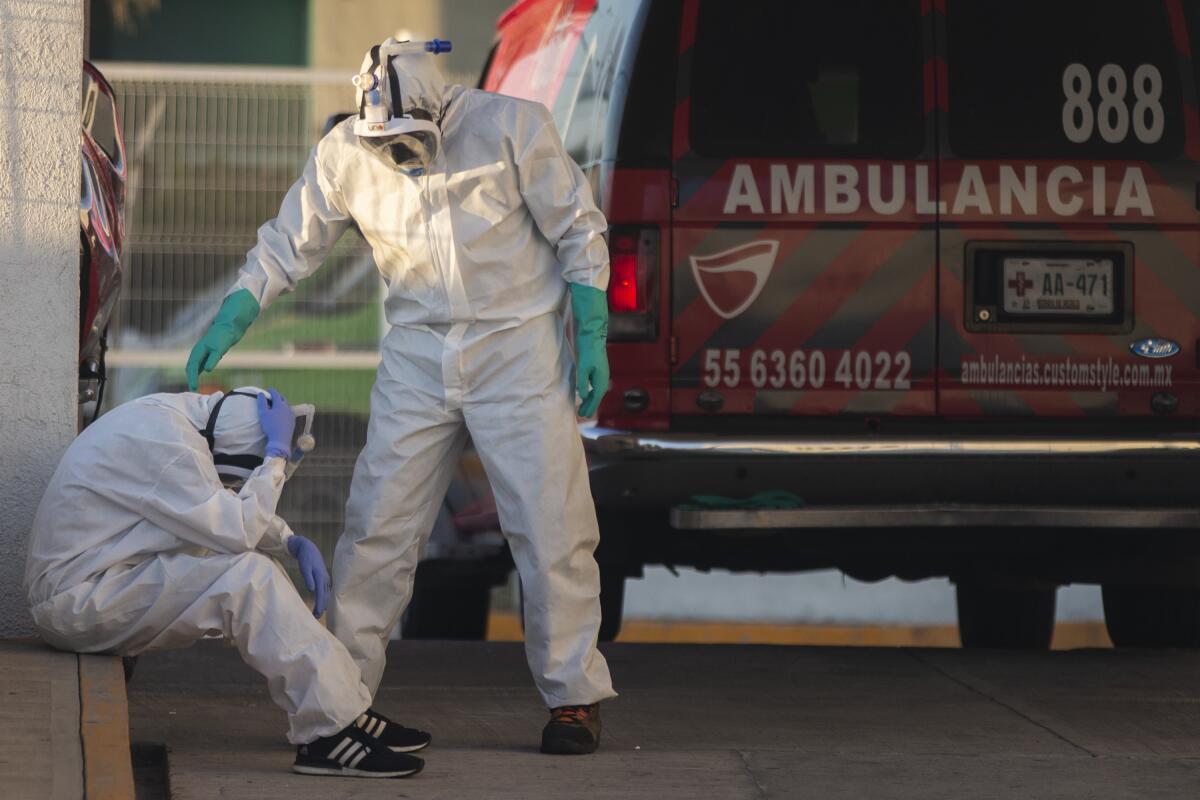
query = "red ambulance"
x=931 y=265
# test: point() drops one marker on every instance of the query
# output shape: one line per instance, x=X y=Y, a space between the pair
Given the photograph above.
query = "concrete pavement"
x=719 y=722
x=506 y=627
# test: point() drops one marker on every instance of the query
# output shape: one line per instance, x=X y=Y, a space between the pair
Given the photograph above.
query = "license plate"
x=1060 y=286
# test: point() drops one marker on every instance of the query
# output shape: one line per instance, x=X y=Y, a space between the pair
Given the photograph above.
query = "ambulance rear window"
x=1063 y=79
x=582 y=107
x=1192 y=12
x=803 y=79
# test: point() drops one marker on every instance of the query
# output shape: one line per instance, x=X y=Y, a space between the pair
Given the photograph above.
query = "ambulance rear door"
x=803 y=277
x=1069 y=284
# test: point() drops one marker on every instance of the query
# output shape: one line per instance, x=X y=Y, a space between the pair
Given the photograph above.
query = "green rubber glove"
x=589 y=307
x=236 y=313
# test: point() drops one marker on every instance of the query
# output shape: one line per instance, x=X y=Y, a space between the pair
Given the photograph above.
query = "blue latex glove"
x=278 y=423
x=589 y=307
x=238 y=311
x=312 y=569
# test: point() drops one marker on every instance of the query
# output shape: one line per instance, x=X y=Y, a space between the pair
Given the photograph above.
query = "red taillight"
x=623 y=284
x=633 y=278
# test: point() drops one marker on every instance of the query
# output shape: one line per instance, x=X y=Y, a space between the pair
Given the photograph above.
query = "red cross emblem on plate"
x=1020 y=283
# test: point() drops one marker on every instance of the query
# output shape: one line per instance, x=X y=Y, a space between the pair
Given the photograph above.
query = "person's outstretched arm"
x=311 y=219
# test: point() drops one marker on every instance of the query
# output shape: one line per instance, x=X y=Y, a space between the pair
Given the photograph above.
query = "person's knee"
x=268 y=583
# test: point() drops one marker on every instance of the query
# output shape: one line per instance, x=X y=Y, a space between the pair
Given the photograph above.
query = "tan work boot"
x=572 y=730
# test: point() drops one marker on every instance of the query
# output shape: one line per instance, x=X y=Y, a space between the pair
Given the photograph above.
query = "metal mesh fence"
x=211 y=153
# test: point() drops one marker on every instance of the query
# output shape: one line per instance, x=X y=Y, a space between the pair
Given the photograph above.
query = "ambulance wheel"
x=1152 y=616
x=1014 y=617
x=447 y=606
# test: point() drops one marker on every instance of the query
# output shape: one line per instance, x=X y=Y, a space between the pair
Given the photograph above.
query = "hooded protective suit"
x=137 y=546
x=476 y=254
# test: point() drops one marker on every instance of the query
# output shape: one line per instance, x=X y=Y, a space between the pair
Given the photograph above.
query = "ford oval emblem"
x=1154 y=348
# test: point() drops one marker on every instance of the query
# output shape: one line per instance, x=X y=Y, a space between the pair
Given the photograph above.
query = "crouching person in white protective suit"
x=482 y=228
x=159 y=527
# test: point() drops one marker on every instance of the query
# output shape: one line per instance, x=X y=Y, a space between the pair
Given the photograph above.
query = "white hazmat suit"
x=137 y=546
x=476 y=253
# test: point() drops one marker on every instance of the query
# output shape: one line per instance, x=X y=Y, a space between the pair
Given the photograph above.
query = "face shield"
x=410 y=151
x=397 y=129
x=303 y=440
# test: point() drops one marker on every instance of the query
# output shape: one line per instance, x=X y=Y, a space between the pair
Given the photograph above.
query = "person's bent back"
x=140 y=482
x=159 y=527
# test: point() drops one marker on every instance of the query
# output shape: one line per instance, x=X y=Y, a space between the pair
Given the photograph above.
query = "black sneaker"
x=352 y=752
x=392 y=734
x=572 y=730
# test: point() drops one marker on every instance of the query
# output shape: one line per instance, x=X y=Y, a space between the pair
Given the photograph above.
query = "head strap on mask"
x=372 y=81
x=245 y=461
x=375 y=79
x=394 y=93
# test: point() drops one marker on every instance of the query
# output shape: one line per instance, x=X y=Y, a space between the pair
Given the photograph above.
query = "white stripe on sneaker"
x=350 y=751
x=362 y=719
x=370 y=728
x=357 y=759
x=341 y=746
x=382 y=725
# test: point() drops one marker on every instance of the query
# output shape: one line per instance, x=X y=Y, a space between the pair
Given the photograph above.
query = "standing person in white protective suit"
x=159 y=527
x=481 y=225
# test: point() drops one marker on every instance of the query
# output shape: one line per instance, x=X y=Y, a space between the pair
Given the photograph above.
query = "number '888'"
x=1113 y=116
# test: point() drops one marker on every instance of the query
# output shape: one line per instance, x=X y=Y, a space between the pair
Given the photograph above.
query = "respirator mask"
x=389 y=126
x=234 y=468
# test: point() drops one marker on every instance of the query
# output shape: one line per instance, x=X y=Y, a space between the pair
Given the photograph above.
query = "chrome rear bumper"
x=866 y=480
x=605 y=441
x=948 y=515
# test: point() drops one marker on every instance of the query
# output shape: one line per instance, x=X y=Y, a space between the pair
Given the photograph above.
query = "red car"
x=931 y=265
x=101 y=226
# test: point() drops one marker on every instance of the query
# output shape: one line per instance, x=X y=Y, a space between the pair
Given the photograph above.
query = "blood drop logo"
x=732 y=279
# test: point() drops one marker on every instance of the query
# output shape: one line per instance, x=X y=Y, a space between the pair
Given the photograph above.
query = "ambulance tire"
x=1152 y=616
x=1012 y=617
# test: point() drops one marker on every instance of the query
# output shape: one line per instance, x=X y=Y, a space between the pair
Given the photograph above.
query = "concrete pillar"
x=342 y=30
x=41 y=47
